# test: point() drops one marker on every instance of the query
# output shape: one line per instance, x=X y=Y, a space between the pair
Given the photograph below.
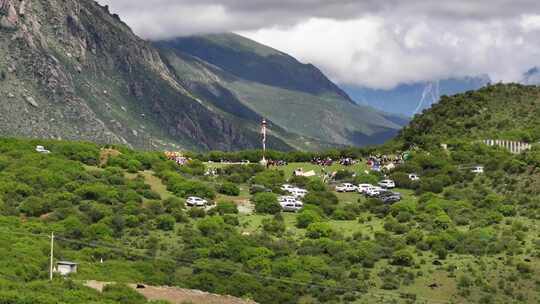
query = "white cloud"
x=373 y=43
x=381 y=53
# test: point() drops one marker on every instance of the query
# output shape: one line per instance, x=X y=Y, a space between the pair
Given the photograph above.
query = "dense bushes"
x=228 y=189
x=266 y=203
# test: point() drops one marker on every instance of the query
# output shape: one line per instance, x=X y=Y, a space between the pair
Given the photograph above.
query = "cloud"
x=378 y=53
x=372 y=43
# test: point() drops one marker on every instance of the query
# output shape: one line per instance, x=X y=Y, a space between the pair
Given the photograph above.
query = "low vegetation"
x=455 y=235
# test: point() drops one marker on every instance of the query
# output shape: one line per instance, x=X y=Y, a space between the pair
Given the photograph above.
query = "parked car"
x=362 y=188
x=389 y=197
x=290 y=204
x=194 y=201
x=346 y=188
x=387 y=184
x=298 y=192
x=373 y=192
x=414 y=177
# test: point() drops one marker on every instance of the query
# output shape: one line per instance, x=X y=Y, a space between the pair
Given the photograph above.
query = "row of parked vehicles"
x=362 y=188
x=381 y=191
x=292 y=202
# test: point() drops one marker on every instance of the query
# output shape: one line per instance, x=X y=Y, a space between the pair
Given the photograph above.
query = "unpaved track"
x=177 y=295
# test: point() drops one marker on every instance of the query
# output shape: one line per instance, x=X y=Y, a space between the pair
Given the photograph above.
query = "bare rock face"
x=9 y=15
x=87 y=70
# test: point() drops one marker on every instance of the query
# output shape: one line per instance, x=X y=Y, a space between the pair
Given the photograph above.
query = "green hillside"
x=455 y=236
x=502 y=111
x=249 y=80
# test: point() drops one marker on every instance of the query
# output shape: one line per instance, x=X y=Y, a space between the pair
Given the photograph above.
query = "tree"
x=266 y=202
x=165 y=222
x=229 y=189
x=319 y=230
x=325 y=199
x=306 y=218
x=226 y=207
x=211 y=225
x=402 y=258
x=272 y=179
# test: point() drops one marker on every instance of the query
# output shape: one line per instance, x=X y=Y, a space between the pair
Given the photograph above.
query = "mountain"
x=502 y=111
x=72 y=70
x=532 y=76
x=259 y=81
x=410 y=99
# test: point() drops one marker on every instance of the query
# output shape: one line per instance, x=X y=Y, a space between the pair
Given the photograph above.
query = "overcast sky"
x=373 y=43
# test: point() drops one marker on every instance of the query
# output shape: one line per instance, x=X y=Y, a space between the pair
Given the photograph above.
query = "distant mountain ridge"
x=410 y=99
x=532 y=76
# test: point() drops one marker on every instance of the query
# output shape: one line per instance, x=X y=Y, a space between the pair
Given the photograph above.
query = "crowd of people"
x=177 y=157
x=381 y=162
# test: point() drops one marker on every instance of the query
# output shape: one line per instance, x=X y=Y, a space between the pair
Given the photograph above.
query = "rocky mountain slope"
x=73 y=70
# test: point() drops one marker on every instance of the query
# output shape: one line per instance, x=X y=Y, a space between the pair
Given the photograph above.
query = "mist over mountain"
x=410 y=99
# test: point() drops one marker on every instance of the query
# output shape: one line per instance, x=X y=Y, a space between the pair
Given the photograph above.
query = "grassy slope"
x=305 y=119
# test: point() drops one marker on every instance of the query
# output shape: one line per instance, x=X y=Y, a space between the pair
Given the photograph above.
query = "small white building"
x=65 y=268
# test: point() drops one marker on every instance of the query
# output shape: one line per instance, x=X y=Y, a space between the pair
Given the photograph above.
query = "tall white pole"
x=52 y=259
x=263 y=133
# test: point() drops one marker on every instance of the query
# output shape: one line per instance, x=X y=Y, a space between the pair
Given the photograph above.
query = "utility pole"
x=52 y=259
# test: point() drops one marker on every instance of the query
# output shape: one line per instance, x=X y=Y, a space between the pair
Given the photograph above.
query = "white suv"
x=290 y=204
x=373 y=191
x=346 y=188
x=362 y=188
x=194 y=201
x=387 y=184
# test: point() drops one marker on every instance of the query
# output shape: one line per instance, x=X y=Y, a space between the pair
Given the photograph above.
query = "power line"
x=132 y=251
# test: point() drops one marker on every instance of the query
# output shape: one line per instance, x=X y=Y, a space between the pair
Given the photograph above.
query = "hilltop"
x=502 y=111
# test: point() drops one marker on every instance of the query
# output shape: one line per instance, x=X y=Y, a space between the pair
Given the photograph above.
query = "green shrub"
x=266 y=203
x=123 y=294
x=226 y=207
x=306 y=218
x=229 y=189
x=326 y=200
x=402 y=258
x=272 y=179
x=165 y=222
x=319 y=230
